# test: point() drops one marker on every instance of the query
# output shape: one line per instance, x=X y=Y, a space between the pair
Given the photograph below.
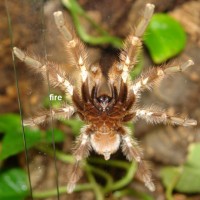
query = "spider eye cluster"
x=104 y=101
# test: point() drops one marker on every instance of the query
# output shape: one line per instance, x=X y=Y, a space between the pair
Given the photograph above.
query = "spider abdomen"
x=105 y=143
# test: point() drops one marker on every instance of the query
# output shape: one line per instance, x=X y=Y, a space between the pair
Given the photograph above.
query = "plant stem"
x=104 y=38
x=124 y=181
x=60 y=155
x=170 y=188
x=130 y=192
x=73 y=5
x=97 y=189
x=62 y=190
x=109 y=180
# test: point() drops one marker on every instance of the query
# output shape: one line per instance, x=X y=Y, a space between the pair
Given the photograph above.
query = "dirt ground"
x=163 y=145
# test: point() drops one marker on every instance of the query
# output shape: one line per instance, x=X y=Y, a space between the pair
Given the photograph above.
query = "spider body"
x=106 y=103
x=104 y=116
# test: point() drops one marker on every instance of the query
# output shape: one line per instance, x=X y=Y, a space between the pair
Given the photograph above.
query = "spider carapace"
x=105 y=111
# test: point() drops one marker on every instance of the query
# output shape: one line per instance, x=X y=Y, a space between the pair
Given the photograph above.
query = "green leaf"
x=169 y=175
x=9 y=122
x=13 y=185
x=185 y=178
x=12 y=142
x=193 y=158
x=164 y=38
x=189 y=181
x=58 y=136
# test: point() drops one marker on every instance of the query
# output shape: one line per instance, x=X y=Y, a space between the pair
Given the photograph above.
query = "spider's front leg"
x=132 y=151
x=146 y=80
x=81 y=151
x=57 y=76
x=132 y=44
x=74 y=47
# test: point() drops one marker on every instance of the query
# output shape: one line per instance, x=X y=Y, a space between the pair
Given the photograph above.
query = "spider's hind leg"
x=81 y=151
x=132 y=151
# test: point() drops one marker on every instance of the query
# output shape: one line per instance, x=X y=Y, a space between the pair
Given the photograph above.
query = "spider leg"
x=146 y=17
x=132 y=44
x=132 y=151
x=81 y=151
x=78 y=57
x=155 y=115
x=65 y=112
x=155 y=75
x=56 y=76
x=74 y=47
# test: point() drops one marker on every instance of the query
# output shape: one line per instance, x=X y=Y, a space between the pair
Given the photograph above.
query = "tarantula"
x=106 y=110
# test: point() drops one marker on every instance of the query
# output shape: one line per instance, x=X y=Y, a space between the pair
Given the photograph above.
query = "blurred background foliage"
x=174 y=152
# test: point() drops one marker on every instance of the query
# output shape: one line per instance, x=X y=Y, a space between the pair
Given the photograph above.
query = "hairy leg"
x=156 y=115
x=65 y=112
x=156 y=74
x=56 y=76
x=132 y=151
x=132 y=44
x=81 y=151
x=75 y=48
